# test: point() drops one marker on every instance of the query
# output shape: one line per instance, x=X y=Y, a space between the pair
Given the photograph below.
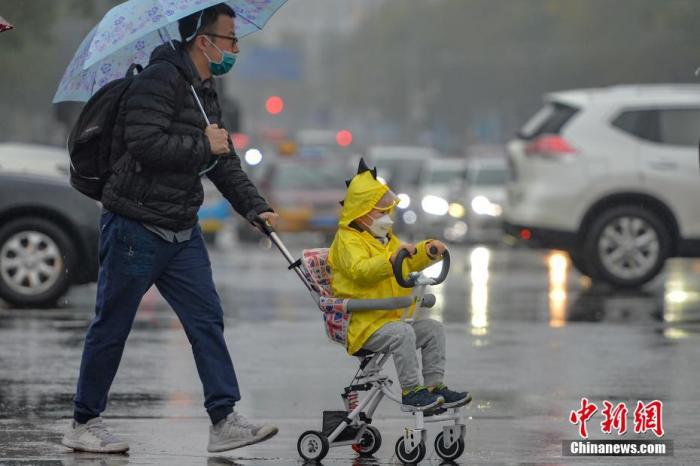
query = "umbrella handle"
x=199 y=104
x=165 y=36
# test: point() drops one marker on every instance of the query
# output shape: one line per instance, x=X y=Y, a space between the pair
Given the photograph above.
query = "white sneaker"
x=235 y=432
x=94 y=437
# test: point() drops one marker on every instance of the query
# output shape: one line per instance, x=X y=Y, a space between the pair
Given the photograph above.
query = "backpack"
x=90 y=140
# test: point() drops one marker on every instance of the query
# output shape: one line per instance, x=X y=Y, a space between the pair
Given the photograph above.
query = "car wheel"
x=626 y=246
x=579 y=262
x=35 y=259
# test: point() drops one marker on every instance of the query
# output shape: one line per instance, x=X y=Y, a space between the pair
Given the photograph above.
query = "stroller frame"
x=410 y=447
x=378 y=385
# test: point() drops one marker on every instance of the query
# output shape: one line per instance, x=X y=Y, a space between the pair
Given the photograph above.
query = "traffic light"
x=343 y=138
x=274 y=105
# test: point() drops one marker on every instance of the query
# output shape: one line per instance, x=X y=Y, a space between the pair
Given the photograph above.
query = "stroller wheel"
x=448 y=454
x=370 y=442
x=412 y=457
x=312 y=445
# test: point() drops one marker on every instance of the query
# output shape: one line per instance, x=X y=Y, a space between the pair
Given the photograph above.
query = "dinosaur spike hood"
x=363 y=194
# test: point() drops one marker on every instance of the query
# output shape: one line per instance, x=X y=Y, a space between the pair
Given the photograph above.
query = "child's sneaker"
x=236 y=431
x=452 y=399
x=419 y=399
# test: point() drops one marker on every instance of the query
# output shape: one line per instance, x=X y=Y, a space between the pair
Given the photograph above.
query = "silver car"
x=485 y=196
x=442 y=200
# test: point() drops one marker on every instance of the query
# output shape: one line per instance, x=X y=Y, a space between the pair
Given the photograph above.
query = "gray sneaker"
x=94 y=437
x=235 y=432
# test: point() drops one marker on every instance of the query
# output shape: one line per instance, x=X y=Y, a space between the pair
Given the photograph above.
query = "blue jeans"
x=132 y=259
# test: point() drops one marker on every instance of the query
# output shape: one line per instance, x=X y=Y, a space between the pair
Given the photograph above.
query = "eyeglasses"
x=233 y=39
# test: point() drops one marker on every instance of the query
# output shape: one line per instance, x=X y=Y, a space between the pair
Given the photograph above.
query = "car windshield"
x=398 y=172
x=446 y=176
x=302 y=176
x=490 y=176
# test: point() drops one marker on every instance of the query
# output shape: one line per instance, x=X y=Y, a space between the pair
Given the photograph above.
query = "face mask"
x=381 y=226
x=228 y=59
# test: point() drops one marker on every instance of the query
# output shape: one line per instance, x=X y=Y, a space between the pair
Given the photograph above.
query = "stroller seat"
x=317 y=271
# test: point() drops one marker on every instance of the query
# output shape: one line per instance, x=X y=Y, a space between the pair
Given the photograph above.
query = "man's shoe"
x=93 y=437
x=235 y=432
x=420 y=399
x=452 y=399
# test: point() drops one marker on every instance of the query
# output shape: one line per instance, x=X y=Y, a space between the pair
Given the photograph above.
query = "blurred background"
x=553 y=144
x=432 y=92
x=445 y=73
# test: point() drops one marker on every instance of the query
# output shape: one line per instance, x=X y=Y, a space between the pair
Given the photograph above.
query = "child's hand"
x=411 y=248
x=439 y=245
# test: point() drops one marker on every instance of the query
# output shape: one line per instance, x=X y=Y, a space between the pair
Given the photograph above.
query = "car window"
x=679 y=127
x=302 y=176
x=446 y=176
x=551 y=119
x=640 y=123
x=490 y=176
x=399 y=172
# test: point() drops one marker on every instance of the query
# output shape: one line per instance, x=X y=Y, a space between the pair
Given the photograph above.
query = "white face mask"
x=381 y=226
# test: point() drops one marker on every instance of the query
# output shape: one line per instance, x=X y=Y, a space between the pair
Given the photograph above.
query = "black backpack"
x=90 y=140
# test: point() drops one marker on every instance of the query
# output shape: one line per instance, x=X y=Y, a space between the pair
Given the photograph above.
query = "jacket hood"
x=364 y=191
x=177 y=57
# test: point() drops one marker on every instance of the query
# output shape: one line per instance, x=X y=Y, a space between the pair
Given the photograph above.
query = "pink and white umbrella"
x=5 y=25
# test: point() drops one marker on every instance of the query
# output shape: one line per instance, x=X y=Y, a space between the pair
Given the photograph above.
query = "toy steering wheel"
x=411 y=281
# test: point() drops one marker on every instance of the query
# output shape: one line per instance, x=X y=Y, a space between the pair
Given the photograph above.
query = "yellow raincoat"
x=360 y=263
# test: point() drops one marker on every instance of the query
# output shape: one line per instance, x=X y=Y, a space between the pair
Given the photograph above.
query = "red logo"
x=614 y=418
x=647 y=417
x=582 y=416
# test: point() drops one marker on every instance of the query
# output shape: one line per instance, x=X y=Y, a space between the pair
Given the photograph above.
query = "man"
x=149 y=232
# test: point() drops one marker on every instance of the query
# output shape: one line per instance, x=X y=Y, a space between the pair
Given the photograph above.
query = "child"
x=361 y=259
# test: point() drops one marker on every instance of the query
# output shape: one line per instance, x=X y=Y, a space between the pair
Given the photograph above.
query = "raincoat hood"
x=364 y=191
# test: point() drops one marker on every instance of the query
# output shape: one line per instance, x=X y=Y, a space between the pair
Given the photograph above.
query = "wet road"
x=527 y=336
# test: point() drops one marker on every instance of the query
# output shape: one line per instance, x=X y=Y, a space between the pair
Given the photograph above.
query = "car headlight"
x=481 y=205
x=404 y=201
x=435 y=205
x=253 y=157
x=456 y=210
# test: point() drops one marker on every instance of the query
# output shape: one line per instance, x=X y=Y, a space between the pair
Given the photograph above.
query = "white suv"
x=610 y=175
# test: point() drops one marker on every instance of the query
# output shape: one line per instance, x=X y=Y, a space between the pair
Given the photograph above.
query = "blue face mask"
x=228 y=59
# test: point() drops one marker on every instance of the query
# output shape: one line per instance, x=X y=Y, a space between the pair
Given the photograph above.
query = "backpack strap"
x=133 y=67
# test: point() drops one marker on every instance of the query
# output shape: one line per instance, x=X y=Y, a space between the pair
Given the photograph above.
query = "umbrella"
x=129 y=32
x=5 y=25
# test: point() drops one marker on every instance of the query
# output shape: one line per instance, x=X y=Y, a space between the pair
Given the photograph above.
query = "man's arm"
x=150 y=108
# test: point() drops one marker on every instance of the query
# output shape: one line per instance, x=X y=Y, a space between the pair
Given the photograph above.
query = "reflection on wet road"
x=526 y=334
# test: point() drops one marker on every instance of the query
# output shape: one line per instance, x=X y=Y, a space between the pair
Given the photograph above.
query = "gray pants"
x=401 y=339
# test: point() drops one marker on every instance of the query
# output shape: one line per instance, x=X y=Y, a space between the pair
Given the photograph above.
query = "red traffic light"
x=343 y=138
x=274 y=105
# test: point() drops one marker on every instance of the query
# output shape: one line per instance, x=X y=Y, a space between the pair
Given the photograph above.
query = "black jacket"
x=159 y=149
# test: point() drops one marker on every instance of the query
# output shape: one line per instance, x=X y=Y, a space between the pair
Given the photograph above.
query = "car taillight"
x=549 y=145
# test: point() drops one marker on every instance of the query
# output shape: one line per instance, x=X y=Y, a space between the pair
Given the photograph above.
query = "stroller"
x=352 y=426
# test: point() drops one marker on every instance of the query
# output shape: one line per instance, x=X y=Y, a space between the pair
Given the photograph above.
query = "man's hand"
x=269 y=217
x=218 y=139
x=439 y=245
x=411 y=248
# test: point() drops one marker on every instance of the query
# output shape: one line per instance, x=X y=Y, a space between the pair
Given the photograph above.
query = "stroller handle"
x=257 y=221
x=411 y=281
x=355 y=305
